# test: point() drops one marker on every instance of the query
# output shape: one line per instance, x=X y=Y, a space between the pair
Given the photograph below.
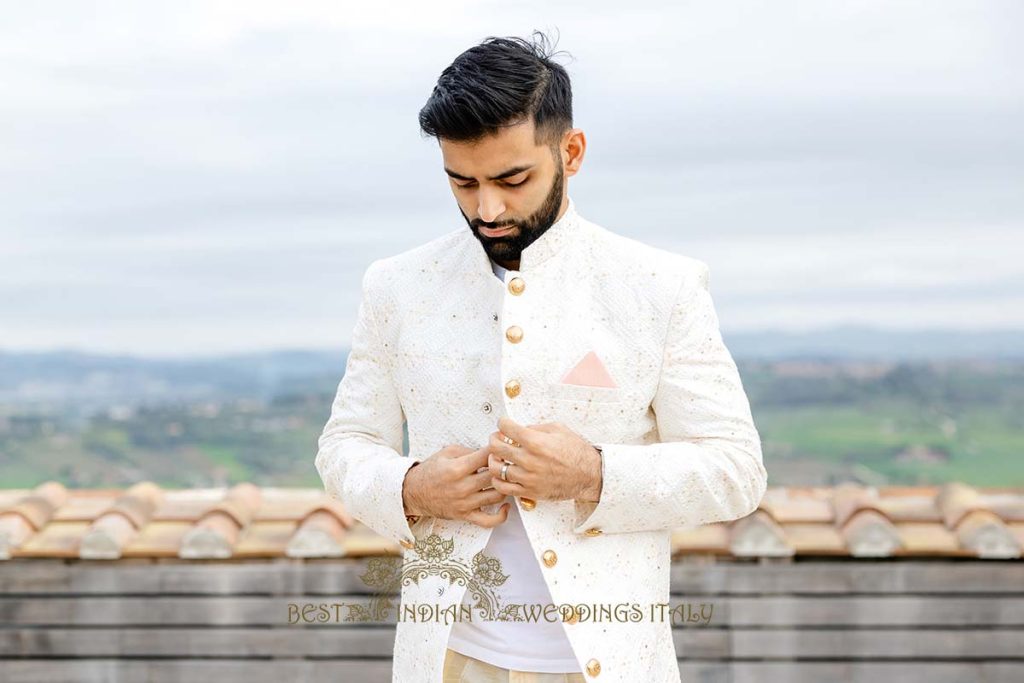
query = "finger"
x=510 y=488
x=481 y=480
x=495 y=465
x=481 y=518
x=471 y=462
x=520 y=455
x=498 y=447
x=518 y=472
x=526 y=437
x=504 y=451
x=488 y=497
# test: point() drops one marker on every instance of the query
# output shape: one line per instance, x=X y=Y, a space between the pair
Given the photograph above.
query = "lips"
x=499 y=232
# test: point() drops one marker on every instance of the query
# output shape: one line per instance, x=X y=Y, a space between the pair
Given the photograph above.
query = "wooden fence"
x=817 y=620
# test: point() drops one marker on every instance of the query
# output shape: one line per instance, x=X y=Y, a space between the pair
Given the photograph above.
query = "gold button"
x=549 y=558
x=528 y=503
x=406 y=543
x=593 y=667
x=514 y=334
x=516 y=285
x=593 y=531
x=512 y=388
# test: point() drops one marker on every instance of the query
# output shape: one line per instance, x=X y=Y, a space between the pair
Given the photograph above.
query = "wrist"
x=592 y=493
x=409 y=502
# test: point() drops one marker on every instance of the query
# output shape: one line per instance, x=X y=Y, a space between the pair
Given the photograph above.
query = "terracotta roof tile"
x=56 y=539
x=927 y=539
x=158 y=539
x=82 y=507
x=243 y=521
x=705 y=539
x=265 y=539
x=758 y=535
x=1017 y=529
x=798 y=505
x=814 y=539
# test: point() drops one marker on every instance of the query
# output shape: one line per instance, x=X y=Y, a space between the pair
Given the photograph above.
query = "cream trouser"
x=460 y=668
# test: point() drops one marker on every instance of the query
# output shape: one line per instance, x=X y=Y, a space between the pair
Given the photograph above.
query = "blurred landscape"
x=860 y=404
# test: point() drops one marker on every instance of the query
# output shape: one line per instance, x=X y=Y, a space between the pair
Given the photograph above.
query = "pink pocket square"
x=589 y=372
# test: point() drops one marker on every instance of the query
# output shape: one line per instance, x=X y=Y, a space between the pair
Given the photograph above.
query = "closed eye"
x=521 y=182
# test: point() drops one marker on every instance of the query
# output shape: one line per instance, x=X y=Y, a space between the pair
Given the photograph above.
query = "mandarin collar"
x=561 y=233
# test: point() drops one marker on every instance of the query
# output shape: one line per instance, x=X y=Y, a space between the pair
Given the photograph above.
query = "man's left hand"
x=550 y=462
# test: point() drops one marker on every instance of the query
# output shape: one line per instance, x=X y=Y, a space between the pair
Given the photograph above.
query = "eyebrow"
x=504 y=174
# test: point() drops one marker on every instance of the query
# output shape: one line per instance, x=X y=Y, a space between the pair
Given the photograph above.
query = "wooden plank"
x=335 y=576
x=839 y=611
x=194 y=643
x=155 y=611
x=177 y=577
x=851 y=576
x=719 y=612
x=185 y=643
x=854 y=672
x=379 y=671
x=931 y=644
x=176 y=671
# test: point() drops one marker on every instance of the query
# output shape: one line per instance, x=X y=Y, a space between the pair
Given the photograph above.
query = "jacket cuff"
x=596 y=515
x=670 y=485
x=376 y=500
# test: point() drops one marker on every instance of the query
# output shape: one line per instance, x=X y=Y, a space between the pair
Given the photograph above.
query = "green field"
x=909 y=424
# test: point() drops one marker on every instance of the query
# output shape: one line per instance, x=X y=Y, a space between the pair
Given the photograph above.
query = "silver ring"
x=504 y=470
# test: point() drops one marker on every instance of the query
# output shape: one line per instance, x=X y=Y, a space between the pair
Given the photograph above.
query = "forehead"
x=510 y=146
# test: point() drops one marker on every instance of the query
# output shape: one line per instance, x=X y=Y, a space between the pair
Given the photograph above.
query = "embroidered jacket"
x=432 y=349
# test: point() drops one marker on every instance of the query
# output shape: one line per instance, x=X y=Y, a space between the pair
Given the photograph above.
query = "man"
x=568 y=396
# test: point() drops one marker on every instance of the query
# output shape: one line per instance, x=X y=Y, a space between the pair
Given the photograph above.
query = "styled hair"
x=500 y=82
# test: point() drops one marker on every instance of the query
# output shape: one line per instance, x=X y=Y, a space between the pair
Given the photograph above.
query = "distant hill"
x=852 y=342
x=91 y=380
x=855 y=409
x=88 y=381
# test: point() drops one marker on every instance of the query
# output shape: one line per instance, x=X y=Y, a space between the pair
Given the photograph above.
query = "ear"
x=576 y=147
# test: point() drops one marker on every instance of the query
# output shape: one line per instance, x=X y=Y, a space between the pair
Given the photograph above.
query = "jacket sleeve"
x=707 y=466
x=359 y=455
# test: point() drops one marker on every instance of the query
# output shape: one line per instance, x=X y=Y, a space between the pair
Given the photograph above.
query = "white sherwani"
x=538 y=645
x=432 y=346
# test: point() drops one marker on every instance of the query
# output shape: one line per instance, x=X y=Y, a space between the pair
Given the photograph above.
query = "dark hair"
x=499 y=83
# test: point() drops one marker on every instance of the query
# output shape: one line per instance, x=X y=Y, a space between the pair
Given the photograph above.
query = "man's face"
x=506 y=181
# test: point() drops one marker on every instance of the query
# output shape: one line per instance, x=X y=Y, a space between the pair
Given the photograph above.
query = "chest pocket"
x=575 y=391
x=600 y=419
x=563 y=391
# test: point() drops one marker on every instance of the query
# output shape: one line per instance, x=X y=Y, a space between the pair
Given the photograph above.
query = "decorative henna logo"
x=432 y=556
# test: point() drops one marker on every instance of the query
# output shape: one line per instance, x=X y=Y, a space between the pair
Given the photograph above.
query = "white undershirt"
x=533 y=645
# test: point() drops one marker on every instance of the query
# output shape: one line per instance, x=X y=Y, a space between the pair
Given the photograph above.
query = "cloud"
x=190 y=167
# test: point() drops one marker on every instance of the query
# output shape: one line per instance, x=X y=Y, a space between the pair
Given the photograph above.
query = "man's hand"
x=550 y=462
x=448 y=485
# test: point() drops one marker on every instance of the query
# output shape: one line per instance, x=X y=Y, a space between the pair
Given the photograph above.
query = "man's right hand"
x=448 y=485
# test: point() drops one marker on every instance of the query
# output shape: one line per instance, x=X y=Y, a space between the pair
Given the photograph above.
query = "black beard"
x=510 y=247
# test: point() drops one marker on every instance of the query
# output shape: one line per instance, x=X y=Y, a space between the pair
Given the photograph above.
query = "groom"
x=568 y=396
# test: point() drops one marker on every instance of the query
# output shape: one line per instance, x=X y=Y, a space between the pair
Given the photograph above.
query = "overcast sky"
x=206 y=177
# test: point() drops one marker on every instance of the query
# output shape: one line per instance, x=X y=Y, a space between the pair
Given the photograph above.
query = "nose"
x=490 y=206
